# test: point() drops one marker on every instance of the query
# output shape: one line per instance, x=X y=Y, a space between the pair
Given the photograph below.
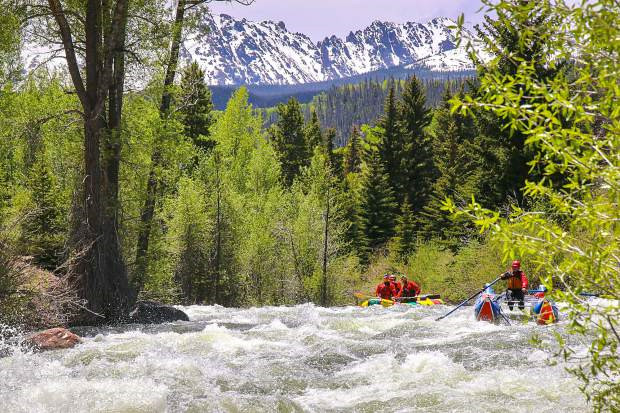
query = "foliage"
x=572 y=124
x=354 y=105
x=511 y=45
x=10 y=42
x=391 y=145
x=438 y=270
x=44 y=227
x=456 y=159
x=289 y=140
x=377 y=203
x=196 y=106
x=453 y=274
x=314 y=135
x=353 y=159
x=405 y=239
x=417 y=168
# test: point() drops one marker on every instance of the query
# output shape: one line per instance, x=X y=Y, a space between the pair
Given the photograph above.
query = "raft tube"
x=486 y=309
x=424 y=301
x=545 y=312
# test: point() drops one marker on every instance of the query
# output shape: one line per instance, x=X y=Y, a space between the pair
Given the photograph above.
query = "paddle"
x=361 y=295
x=421 y=297
x=463 y=303
x=505 y=318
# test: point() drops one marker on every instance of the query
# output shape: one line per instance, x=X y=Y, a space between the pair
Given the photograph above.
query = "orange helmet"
x=516 y=265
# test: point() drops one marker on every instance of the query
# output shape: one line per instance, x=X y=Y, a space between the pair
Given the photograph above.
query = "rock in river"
x=149 y=312
x=54 y=339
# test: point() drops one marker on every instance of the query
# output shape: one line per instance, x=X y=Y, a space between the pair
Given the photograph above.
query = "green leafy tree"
x=10 y=42
x=289 y=140
x=185 y=13
x=571 y=125
x=189 y=244
x=196 y=107
x=247 y=178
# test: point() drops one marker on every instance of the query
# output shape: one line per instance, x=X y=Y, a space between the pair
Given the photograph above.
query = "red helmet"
x=392 y=277
x=516 y=265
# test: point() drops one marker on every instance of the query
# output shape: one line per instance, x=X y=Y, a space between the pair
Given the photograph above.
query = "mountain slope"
x=245 y=52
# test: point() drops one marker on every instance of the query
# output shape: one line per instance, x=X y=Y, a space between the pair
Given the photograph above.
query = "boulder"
x=150 y=312
x=53 y=339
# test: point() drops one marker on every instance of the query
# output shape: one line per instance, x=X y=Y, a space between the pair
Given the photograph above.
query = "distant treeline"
x=267 y=96
x=353 y=105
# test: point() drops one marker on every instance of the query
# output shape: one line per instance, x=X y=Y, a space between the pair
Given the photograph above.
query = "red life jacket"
x=517 y=280
x=397 y=287
x=410 y=290
x=386 y=291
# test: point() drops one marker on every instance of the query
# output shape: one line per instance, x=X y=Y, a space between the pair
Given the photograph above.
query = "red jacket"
x=386 y=291
x=410 y=290
x=516 y=279
x=397 y=288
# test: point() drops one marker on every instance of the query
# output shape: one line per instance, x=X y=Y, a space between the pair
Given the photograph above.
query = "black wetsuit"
x=515 y=294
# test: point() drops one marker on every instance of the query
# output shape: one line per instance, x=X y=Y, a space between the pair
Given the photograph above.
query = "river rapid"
x=296 y=359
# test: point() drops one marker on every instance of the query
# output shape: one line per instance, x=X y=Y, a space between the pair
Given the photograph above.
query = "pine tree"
x=377 y=204
x=314 y=136
x=457 y=164
x=514 y=46
x=390 y=147
x=289 y=140
x=405 y=239
x=353 y=159
x=196 y=107
x=354 y=233
x=43 y=232
x=332 y=159
x=416 y=167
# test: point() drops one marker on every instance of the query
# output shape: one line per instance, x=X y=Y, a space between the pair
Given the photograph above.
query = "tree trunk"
x=218 y=243
x=99 y=274
x=325 y=245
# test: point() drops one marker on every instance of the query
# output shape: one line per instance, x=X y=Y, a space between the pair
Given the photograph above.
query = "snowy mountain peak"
x=246 y=52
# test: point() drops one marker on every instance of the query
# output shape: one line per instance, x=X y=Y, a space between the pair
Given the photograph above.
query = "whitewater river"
x=296 y=359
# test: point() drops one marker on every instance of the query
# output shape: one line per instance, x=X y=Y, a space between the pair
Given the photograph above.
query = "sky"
x=321 y=18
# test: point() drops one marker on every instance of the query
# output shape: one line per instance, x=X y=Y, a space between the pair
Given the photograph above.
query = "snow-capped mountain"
x=245 y=52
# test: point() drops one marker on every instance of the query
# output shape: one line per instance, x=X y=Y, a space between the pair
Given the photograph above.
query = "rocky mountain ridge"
x=238 y=52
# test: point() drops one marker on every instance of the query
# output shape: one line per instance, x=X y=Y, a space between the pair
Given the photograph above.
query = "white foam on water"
x=104 y=395
x=296 y=358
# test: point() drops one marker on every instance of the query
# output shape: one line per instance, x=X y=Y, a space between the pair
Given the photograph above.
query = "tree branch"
x=67 y=40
